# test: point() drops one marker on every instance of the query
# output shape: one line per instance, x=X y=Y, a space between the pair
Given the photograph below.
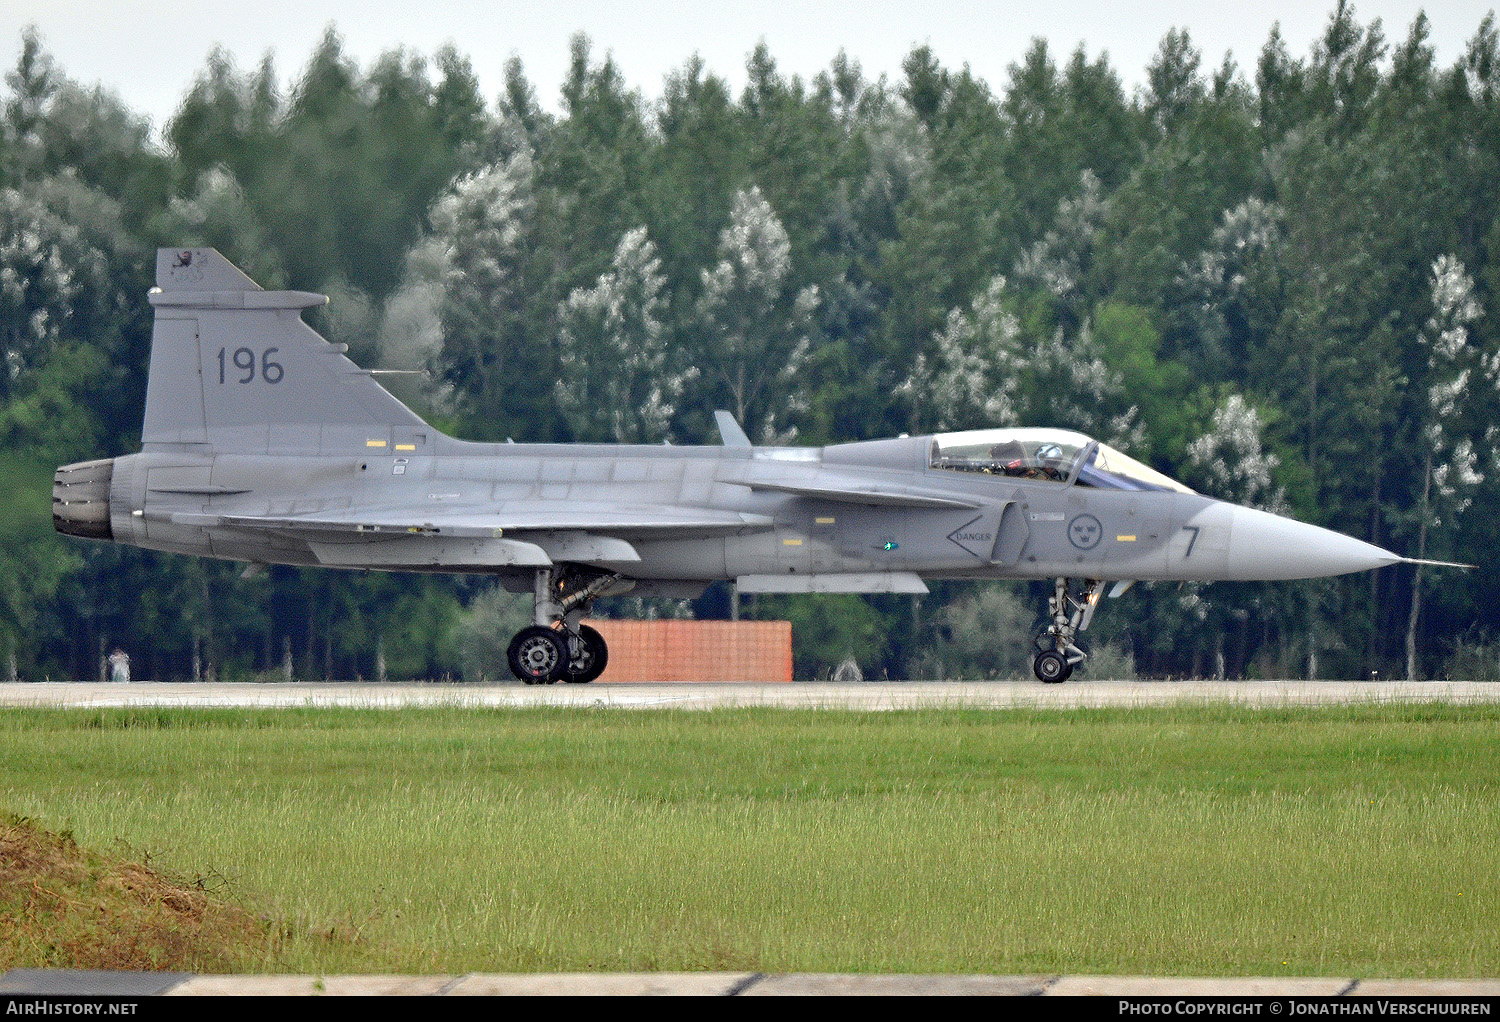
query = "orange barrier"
x=697 y=650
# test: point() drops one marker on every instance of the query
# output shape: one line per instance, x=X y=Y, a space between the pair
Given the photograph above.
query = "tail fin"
x=234 y=367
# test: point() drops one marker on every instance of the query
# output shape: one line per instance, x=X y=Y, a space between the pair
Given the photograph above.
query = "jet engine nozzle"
x=80 y=499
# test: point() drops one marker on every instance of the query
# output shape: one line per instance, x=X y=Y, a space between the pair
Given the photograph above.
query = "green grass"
x=1356 y=841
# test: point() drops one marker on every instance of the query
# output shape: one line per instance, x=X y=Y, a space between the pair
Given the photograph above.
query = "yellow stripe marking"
x=824 y=521
x=1124 y=539
x=374 y=443
x=791 y=542
x=406 y=447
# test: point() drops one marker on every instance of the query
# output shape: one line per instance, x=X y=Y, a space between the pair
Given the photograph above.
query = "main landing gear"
x=559 y=646
x=1071 y=614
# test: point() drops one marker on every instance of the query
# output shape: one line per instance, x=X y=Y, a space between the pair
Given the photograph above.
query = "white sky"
x=150 y=52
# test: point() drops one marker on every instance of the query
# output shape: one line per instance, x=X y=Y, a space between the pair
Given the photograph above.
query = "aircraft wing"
x=455 y=539
x=491 y=523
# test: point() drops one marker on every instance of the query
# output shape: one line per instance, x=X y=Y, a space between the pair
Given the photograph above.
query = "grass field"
x=1359 y=841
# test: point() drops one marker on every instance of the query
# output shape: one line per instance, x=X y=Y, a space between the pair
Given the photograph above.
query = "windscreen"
x=1109 y=469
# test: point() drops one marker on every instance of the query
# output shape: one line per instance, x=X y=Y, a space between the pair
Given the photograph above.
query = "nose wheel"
x=1070 y=615
x=1052 y=667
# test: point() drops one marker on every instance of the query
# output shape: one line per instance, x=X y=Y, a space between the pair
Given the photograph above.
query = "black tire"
x=538 y=655
x=1051 y=667
x=591 y=659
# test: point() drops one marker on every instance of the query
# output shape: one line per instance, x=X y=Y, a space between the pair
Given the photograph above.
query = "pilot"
x=1049 y=461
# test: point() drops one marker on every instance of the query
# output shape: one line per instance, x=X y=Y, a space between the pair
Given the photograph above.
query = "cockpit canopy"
x=1051 y=455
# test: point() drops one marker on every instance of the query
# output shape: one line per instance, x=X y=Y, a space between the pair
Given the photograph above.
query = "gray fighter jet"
x=263 y=443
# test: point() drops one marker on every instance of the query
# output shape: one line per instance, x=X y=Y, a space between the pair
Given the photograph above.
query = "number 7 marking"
x=1192 y=542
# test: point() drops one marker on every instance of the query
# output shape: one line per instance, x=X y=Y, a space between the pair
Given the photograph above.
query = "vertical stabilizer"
x=199 y=269
x=234 y=368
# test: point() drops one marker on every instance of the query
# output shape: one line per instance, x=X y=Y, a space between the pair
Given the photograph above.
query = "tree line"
x=1274 y=281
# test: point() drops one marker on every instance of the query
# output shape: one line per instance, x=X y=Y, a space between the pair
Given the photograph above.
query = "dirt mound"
x=62 y=906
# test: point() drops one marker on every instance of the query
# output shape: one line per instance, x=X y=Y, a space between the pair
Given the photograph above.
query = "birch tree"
x=1059 y=261
x=485 y=229
x=1449 y=472
x=616 y=381
x=754 y=339
x=410 y=334
x=972 y=375
x=218 y=214
x=986 y=370
x=1228 y=291
x=1231 y=463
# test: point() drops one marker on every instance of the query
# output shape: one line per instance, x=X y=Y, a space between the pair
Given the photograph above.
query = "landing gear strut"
x=1057 y=655
x=588 y=655
x=559 y=646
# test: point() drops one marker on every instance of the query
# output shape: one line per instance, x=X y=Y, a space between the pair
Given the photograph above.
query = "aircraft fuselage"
x=998 y=527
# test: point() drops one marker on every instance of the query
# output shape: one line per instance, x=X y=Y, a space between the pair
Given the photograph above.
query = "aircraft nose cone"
x=1267 y=546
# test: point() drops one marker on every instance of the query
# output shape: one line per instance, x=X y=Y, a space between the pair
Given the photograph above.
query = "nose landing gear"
x=559 y=646
x=1057 y=655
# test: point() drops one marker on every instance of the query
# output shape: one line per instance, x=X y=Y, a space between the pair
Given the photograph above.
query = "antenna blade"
x=730 y=432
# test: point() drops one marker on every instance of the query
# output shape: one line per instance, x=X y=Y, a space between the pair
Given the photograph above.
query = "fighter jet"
x=263 y=443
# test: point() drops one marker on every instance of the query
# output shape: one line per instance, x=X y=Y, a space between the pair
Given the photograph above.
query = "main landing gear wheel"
x=557 y=646
x=1052 y=667
x=538 y=655
x=589 y=660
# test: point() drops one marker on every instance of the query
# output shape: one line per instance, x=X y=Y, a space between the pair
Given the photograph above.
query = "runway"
x=800 y=695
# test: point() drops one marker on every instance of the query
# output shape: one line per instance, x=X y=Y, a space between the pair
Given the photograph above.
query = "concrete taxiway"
x=67 y=982
x=807 y=695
